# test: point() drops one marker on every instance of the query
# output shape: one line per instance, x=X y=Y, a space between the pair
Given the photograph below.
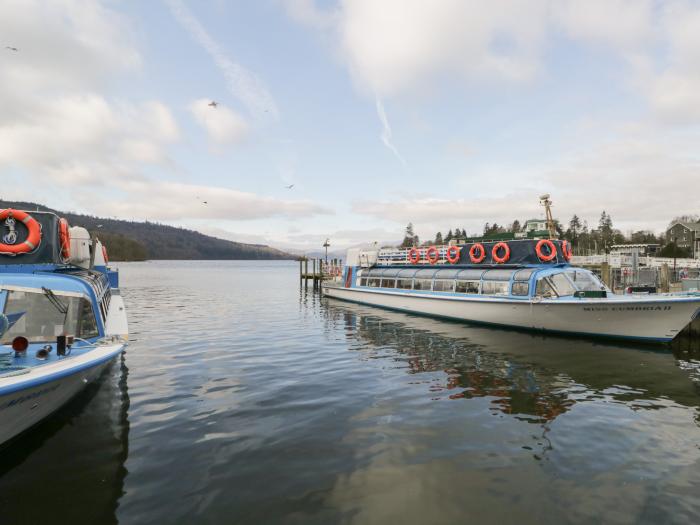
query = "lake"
x=243 y=398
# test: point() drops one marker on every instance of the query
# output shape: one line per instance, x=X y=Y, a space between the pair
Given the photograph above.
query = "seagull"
x=213 y=103
x=204 y=202
x=11 y=48
x=290 y=186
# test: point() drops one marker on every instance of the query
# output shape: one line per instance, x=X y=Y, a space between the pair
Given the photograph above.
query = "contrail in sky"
x=245 y=85
x=386 y=131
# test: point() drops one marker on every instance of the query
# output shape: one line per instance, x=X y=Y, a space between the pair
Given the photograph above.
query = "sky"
x=445 y=113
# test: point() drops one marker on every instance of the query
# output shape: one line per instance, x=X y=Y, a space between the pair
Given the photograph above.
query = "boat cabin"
x=513 y=283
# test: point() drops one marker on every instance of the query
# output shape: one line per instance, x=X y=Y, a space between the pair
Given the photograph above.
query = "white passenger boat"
x=63 y=319
x=526 y=284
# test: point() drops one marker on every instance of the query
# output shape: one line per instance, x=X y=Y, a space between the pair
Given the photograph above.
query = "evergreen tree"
x=410 y=238
x=605 y=227
x=438 y=238
x=515 y=227
x=572 y=234
x=458 y=233
x=449 y=236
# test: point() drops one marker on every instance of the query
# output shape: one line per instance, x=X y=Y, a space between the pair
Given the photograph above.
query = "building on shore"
x=686 y=235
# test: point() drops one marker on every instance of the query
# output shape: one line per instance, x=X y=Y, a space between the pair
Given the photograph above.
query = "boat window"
x=422 y=284
x=375 y=272
x=524 y=275
x=494 y=287
x=447 y=274
x=467 y=287
x=426 y=273
x=363 y=281
x=406 y=273
x=562 y=285
x=585 y=280
x=374 y=282
x=404 y=284
x=44 y=317
x=498 y=275
x=390 y=272
x=443 y=285
x=544 y=288
x=520 y=288
x=388 y=283
x=470 y=275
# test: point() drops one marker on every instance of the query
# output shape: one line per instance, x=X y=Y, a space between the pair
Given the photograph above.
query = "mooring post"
x=605 y=274
x=306 y=271
x=301 y=270
x=664 y=278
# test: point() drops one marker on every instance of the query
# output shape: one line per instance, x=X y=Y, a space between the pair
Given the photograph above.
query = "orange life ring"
x=472 y=253
x=552 y=250
x=432 y=254
x=104 y=254
x=413 y=255
x=64 y=238
x=500 y=259
x=566 y=250
x=33 y=239
x=452 y=254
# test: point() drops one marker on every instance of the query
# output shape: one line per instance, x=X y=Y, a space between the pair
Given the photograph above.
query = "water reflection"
x=77 y=454
x=532 y=377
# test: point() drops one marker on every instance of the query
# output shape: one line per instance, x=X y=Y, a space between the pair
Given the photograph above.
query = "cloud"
x=172 y=201
x=245 y=85
x=223 y=125
x=642 y=180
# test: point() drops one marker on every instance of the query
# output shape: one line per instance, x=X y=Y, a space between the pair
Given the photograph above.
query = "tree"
x=449 y=236
x=684 y=218
x=410 y=238
x=515 y=227
x=605 y=227
x=438 y=238
x=574 y=230
x=458 y=233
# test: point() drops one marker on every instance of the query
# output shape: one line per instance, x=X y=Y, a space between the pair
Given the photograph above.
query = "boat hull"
x=657 y=319
x=27 y=399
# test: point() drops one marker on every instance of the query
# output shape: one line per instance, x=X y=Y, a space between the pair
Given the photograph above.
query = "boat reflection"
x=80 y=451
x=532 y=377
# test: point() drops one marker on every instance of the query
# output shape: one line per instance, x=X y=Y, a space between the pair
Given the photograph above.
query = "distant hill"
x=137 y=241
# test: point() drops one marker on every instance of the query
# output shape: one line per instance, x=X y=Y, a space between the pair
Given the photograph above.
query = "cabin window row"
x=449 y=285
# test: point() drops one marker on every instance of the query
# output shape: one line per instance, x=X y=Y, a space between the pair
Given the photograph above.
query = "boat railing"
x=398 y=256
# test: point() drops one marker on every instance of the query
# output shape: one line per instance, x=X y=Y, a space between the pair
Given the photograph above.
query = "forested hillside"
x=134 y=241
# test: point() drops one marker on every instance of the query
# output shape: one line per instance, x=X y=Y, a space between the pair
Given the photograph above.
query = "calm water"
x=243 y=400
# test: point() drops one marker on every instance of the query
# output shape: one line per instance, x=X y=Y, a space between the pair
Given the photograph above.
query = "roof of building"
x=693 y=226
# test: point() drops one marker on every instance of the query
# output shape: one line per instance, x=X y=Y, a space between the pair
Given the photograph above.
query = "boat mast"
x=544 y=201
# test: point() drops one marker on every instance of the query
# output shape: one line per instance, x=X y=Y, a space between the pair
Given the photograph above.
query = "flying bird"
x=213 y=103
x=204 y=202
x=11 y=48
x=290 y=186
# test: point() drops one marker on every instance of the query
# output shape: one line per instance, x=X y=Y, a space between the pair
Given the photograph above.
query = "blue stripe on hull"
x=31 y=383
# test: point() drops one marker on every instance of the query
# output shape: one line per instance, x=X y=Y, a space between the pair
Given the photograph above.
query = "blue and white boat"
x=63 y=320
x=527 y=284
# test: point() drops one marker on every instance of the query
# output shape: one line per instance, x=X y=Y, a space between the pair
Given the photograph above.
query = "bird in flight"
x=290 y=186
x=205 y=202
x=213 y=103
x=11 y=48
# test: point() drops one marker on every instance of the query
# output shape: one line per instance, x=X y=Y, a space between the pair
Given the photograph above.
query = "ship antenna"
x=544 y=201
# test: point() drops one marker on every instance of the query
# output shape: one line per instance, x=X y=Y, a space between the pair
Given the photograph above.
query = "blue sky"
x=445 y=113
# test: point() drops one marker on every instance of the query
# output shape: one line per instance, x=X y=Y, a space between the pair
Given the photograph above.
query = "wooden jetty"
x=318 y=270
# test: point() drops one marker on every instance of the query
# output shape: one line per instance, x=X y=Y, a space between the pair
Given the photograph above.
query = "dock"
x=318 y=270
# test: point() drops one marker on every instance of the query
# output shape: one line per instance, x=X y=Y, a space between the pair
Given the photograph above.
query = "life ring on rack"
x=473 y=257
x=64 y=238
x=432 y=254
x=33 y=239
x=552 y=250
x=500 y=259
x=452 y=254
x=104 y=254
x=566 y=250
x=414 y=255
